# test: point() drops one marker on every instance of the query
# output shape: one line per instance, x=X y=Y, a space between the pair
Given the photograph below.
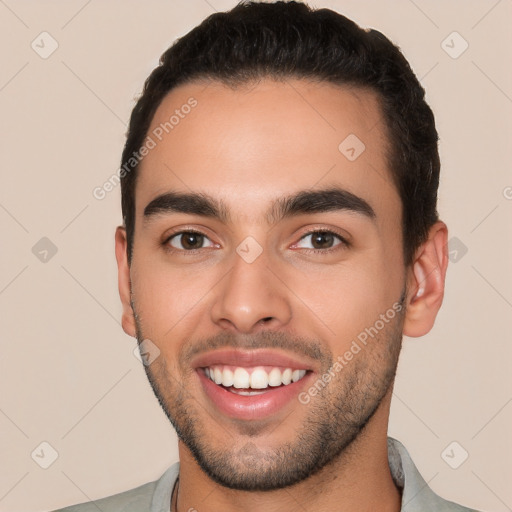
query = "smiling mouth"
x=252 y=385
x=252 y=381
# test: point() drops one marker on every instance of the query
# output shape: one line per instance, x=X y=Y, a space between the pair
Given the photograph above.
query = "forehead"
x=250 y=145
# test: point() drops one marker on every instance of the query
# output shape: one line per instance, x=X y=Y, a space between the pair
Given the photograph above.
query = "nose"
x=251 y=296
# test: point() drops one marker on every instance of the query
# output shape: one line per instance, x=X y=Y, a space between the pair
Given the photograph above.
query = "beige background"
x=68 y=374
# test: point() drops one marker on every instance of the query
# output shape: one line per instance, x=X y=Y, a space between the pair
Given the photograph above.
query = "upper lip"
x=250 y=358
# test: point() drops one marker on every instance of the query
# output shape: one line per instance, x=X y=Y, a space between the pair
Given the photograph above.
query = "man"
x=279 y=186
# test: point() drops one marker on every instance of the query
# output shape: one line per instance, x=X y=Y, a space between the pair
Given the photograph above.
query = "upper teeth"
x=259 y=378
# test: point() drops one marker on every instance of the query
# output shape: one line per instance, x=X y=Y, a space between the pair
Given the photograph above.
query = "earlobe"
x=123 y=273
x=426 y=278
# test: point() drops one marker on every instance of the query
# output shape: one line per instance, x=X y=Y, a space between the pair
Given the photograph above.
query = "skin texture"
x=248 y=148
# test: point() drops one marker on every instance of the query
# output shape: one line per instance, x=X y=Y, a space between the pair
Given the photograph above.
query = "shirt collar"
x=416 y=494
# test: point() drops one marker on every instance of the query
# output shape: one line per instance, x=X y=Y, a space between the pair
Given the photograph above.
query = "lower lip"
x=253 y=407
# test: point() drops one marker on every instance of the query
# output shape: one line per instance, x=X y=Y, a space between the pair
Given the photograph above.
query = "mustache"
x=264 y=339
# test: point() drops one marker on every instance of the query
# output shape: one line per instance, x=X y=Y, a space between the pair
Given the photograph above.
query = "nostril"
x=266 y=319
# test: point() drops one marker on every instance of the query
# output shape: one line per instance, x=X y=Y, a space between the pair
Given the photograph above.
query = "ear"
x=123 y=273
x=425 y=282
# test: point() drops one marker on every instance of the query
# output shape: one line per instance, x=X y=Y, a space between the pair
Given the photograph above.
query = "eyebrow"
x=192 y=203
x=318 y=201
x=300 y=203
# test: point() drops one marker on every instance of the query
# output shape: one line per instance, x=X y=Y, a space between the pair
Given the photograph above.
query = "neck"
x=358 y=479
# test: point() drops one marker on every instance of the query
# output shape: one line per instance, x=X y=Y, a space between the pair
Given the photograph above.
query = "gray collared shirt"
x=156 y=496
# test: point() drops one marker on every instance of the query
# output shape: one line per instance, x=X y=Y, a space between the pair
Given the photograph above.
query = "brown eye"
x=322 y=240
x=189 y=240
x=319 y=240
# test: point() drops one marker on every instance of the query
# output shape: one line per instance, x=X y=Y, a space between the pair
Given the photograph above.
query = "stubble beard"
x=336 y=416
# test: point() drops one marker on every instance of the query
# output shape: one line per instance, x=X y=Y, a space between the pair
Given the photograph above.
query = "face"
x=267 y=268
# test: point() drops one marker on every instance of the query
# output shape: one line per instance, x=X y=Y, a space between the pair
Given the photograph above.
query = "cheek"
x=345 y=300
x=169 y=301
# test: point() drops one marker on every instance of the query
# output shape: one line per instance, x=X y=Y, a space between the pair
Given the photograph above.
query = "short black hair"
x=280 y=40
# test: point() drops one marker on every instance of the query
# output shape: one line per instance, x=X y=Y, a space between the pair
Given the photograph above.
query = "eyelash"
x=344 y=244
